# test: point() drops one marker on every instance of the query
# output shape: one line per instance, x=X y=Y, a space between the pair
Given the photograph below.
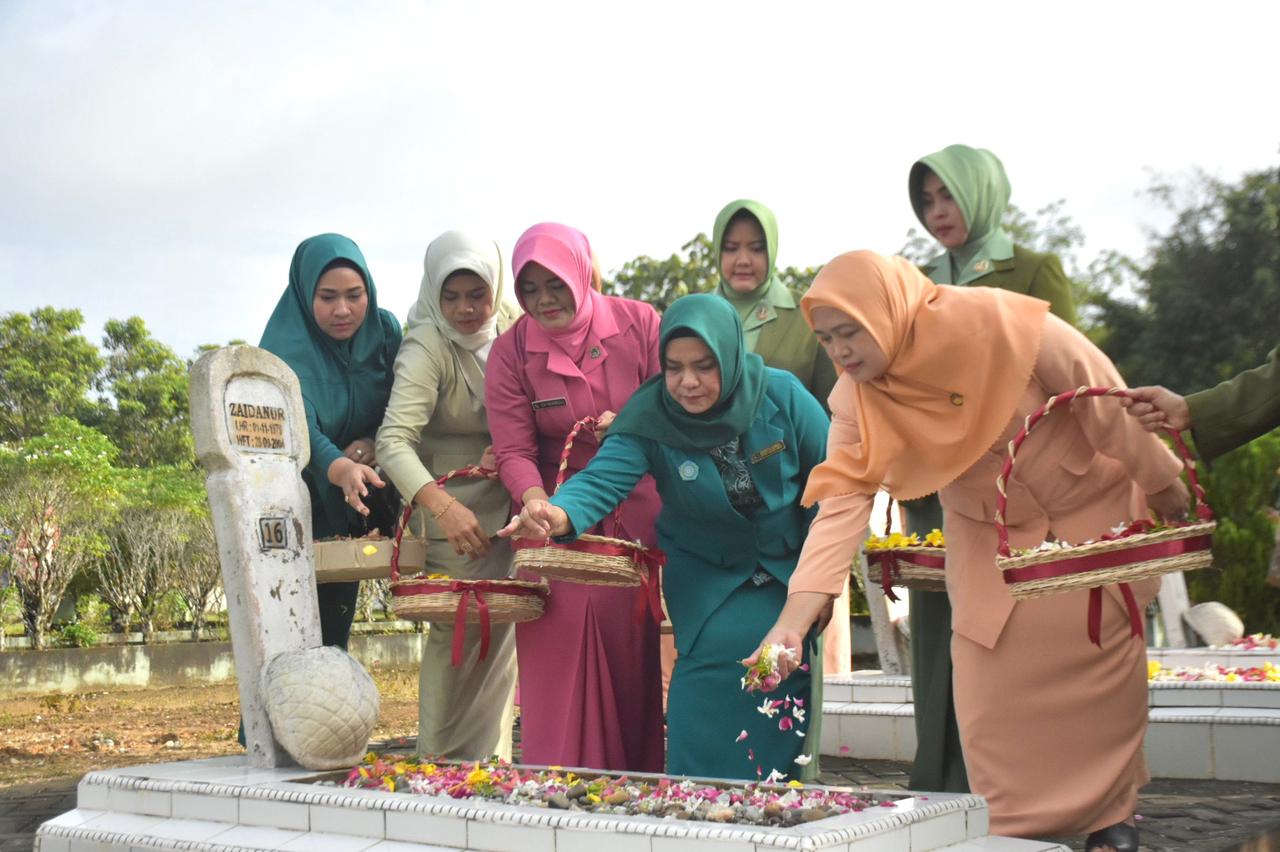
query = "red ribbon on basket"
x=1095 y=613
x=890 y=571
x=467 y=589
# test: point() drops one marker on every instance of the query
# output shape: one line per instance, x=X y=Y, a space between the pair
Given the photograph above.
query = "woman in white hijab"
x=436 y=422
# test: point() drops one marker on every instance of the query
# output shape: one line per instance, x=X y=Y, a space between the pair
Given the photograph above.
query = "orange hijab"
x=959 y=362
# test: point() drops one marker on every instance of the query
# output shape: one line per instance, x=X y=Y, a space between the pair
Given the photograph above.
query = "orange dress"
x=1052 y=726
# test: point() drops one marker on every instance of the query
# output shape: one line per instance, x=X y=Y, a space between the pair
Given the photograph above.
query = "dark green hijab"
x=653 y=413
x=345 y=383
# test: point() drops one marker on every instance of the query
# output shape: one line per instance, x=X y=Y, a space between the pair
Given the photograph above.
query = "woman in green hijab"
x=328 y=328
x=960 y=195
x=730 y=443
x=746 y=249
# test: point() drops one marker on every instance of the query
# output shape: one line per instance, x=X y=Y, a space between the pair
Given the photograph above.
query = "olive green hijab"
x=756 y=308
x=653 y=413
x=976 y=180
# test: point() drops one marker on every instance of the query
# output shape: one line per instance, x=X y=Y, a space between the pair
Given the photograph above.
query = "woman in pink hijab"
x=590 y=688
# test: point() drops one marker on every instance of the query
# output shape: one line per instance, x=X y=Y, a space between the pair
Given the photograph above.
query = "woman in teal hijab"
x=328 y=328
x=960 y=195
x=730 y=443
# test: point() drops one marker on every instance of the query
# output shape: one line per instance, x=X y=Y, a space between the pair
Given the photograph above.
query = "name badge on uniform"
x=773 y=449
x=688 y=470
x=554 y=402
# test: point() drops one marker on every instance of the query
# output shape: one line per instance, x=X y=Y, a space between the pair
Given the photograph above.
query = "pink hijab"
x=567 y=254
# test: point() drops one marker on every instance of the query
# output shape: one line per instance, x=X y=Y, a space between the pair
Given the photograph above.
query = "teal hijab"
x=653 y=413
x=976 y=180
x=345 y=383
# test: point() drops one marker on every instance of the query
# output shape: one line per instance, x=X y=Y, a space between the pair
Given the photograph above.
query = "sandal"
x=1121 y=837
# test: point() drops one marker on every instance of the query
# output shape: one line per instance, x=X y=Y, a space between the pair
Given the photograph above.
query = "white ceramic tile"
x=500 y=837
x=898 y=840
x=1179 y=750
x=124 y=823
x=151 y=802
x=187 y=829
x=1185 y=697
x=870 y=737
x=1246 y=753
x=293 y=816
x=316 y=842
x=1241 y=697
x=365 y=822
x=426 y=828
x=93 y=796
x=257 y=837
x=942 y=830
x=1261 y=717
x=838 y=692
x=879 y=694
x=1006 y=844
x=830 y=740
x=199 y=806
x=689 y=844
x=48 y=843
x=568 y=840
x=74 y=817
x=905 y=731
x=977 y=822
x=399 y=846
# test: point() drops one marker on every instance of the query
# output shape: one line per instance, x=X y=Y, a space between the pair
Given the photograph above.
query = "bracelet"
x=435 y=516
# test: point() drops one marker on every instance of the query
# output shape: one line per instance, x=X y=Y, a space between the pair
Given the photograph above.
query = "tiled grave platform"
x=1212 y=656
x=221 y=805
x=1229 y=732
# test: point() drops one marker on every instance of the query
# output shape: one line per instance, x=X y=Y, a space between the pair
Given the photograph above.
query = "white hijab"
x=448 y=253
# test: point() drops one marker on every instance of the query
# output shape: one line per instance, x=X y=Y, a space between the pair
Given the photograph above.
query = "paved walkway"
x=1179 y=816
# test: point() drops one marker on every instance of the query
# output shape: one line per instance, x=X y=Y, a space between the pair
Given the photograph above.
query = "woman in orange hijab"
x=934 y=381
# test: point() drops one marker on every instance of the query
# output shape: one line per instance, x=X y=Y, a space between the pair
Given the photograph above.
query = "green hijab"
x=653 y=413
x=345 y=383
x=755 y=308
x=976 y=180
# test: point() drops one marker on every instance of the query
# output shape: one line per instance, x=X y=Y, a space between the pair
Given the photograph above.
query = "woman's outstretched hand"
x=785 y=637
x=1157 y=408
x=538 y=519
x=354 y=479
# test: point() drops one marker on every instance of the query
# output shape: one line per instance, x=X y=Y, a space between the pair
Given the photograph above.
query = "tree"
x=1211 y=288
x=57 y=491
x=149 y=542
x=46 y=368
x=143 y=408
x=200 y=576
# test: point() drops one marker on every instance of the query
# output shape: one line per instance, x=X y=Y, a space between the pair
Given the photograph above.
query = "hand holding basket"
x=595 y=560
x=1140 y=550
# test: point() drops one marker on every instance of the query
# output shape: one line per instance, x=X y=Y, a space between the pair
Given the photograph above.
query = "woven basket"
x=592 y=560
x=921 y=568
x=462 y=602
x=1135 y=554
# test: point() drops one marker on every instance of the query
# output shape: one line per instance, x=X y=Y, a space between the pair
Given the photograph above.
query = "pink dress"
x=590 y=685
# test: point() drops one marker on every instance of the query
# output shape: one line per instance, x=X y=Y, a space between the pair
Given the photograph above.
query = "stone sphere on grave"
x=323 y=706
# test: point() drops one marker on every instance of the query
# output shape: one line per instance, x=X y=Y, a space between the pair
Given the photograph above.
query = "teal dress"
x=732 y=528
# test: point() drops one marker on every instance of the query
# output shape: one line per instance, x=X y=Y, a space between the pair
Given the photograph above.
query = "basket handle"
x=588 y=422
x=471 y=470
x=1002 y=498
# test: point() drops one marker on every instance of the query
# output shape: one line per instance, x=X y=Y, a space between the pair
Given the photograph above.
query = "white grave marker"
x=251 y=435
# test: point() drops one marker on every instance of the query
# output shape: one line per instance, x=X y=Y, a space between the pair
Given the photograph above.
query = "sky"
x=164 y=159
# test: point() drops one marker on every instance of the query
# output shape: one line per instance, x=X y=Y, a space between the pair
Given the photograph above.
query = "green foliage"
x=92 y=611
x=46 y=368
x=57 y=492
x=1242 y=488
x=144 y=404
x=79 y=635
x=1209 y=297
